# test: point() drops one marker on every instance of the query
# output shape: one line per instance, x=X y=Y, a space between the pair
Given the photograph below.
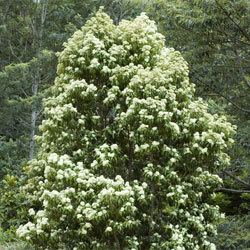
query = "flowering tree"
x=127 y=154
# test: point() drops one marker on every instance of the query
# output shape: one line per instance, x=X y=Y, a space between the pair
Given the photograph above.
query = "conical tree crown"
x=127 y=154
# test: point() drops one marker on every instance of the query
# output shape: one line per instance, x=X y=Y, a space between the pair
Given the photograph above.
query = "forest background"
x=214 y=38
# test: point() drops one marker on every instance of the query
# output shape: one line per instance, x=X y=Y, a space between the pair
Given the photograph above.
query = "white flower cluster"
x=106 y=155
x=127 y=153
x=87 y=198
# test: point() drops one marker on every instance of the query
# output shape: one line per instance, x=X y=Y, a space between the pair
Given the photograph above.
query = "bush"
x=9 y=241
x=127 y=153
x=12 y=203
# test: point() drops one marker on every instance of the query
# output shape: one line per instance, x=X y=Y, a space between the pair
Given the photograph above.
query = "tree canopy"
x=127 y=153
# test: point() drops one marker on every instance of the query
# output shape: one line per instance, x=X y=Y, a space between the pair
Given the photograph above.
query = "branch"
x=234 y=104
x=241 y=69
x=229 y=190
x=233 y=21
x=227 y=99
x=26 y=95
x=247 y=82
x=236 y=178
x=13 y=53
x=230 y=66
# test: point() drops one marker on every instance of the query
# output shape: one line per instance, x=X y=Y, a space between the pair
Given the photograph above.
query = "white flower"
x=53 y=158
x=108 y=229
x=114 y=146
x=105 y=162
x=94 y=63
x=155 y=143
x=31 y=211
x=212 y=246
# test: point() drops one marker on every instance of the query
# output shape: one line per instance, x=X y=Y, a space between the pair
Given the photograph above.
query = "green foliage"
x=127 y=153
x=223 y=201
x=10 y=157
x=12 y=213
x=234 y=233
x=9 y=241
x=17 y=245
x=17 y=97
x=213 y=37
x=12 y=204
x=7 y=235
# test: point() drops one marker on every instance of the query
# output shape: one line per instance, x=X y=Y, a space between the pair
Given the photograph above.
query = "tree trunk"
x=34 y=113
x=37 y=28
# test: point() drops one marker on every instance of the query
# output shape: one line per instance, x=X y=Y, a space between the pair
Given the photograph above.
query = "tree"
x=127 y=153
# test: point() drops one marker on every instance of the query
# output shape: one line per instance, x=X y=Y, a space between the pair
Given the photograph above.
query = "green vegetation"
x=212 y=36
x=126 y=153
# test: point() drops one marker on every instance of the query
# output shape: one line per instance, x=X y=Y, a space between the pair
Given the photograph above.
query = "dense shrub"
x=12 y=204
